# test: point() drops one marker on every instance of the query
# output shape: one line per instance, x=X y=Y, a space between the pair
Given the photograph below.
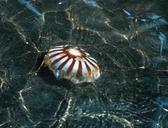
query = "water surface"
x=128 y=38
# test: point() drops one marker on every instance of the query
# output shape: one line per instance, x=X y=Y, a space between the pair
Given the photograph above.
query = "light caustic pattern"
x=128 y=39
x=72 y=63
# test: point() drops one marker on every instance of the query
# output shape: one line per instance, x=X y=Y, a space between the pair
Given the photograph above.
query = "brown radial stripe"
x=71 y=66
x=55 y=55
x=92 y=60
x=55 y=61
x=92 y=63
x=55 y=50
x=80 y=68
x=62 y=65
x=88 y=69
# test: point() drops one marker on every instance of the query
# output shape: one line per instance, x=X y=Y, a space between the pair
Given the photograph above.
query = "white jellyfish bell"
x=72 y=63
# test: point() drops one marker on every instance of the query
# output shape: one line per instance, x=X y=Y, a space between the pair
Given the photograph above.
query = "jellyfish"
x=72 y=63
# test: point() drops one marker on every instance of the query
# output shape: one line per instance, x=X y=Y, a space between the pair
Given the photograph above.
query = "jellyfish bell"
x=72 y=63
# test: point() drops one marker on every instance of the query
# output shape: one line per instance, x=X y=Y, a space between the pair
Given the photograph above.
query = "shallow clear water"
x=128 y=38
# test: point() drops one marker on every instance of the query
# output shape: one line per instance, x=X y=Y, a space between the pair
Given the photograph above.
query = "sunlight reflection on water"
x=129 y=41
